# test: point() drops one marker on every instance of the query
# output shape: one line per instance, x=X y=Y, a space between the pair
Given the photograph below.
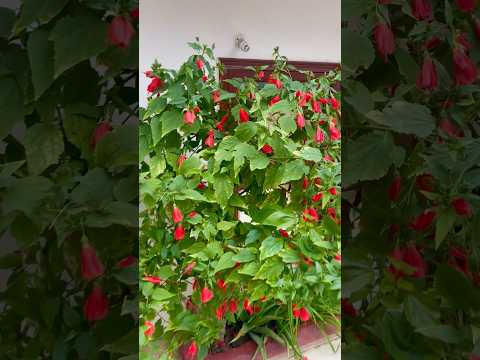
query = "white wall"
x=303 y=29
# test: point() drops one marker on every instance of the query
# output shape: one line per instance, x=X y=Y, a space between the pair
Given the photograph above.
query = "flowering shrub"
x=69 y=202
x=240 y=227
x=411 y=275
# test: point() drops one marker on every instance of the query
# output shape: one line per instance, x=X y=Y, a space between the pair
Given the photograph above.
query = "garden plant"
x=240 y=207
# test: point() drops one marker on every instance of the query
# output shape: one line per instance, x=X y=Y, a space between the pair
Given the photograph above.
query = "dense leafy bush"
x=410 y=276
x=240 y=191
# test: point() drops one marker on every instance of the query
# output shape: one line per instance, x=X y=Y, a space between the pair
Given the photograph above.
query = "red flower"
x=127 y=262
x=216 y=96
x=150 y=329
x=338 y=257
x=332 y=213
x=221 y=284
x=233 y=306
x=272 y=80
x=310 y=215
x=154 y=84
x=384 y=40
x=413 y=258
x=91 y=265
x=244 y=117
x=96 y=305
x=261 y=75
x=179 y=233
x=394 y=189
x=189 y=117
x=300 y=121
x=192 y=214
x=333 y=191
x=135 y=13
x=283 y=233
x=302 y=101
x=274 y=100
x=209 y=140
x=323 y=101
x=149 y=74
x=462 y=40
x=432 y=43
x=222 y=122
x=295 y=311
x=459 y=260
x=450 y=128
x=424 y=182
x=462 y=207
x=422 y=9
x=177 y=215
x=181 y=159
x=196 y=109
x=267 y=149
x=206 y=295
x=101 y=130
x=427 y=77
x=247 y=306
x=476 y=26
x=317 y=181
x=201 y=185
x=466 y=5
x=327 y=158
x=204 y=78
x=315 y=106
x=423 y=220
x=120 y=32
x=464 y=68
x=304 y=314
x=220 y=311
x=152 y=279
x=334 y=102
x=334 y=133
x=317 y=197
x=189 y=268
x=305 y=183
x=199 y=63
x=319 y=136
x=191 y=353
x=348 y=308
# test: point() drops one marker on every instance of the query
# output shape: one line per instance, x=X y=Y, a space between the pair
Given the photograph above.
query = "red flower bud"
x=315 y=106
x=189 y=117
x=274 y=100
x=334 y=102
x=154 y=84
x=459 y=260
x=206 y=295
x=267 y=149
x=394 y=189
x=248 y=307
x=424 y=182
x=466 y=5
x=150 y=329
x=101 y=130
x=181 y=159
x=462 y=207
x=348 y=308
x=317 y=197
x=221 y=284
x=204 y=78
x=432 y=43
x=152 y=279
x=304 y=314
x=179 y=233
x=199 y=63
x=300 y=121
x=423 y=220
x=295 y=311
x=427 y=77
x=216 y=96
x=244 y=117
x=120 y=32
x=302 y=101
x=333 y=191
x=305 y=183
x=334 y=133
x=177 y=215
x=283 y=233
x=464 y=68
x=149 y=74
x=422 y=9
x=272 y=80
x=310 y=215
x=233 y=306
x=209 y=140
x=450 y=128
x=384 y=40
x=201 y=185
x=96 y=305
x=127 y=262
x=191 y=352
x=189 y=268
x=91 y=265
x=319 y=136
x=338 y=257
x=261 y=75
x=192 y=214
x=135 y=13
x=220 y=311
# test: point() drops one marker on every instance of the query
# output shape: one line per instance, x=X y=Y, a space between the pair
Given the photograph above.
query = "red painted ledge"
x=308 y=334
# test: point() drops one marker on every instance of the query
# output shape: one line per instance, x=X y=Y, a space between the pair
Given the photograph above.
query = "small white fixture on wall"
x=241 y=43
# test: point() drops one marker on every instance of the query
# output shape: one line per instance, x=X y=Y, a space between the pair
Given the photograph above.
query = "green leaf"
x=245 y=131
x=310 y=154
x=225 y=262
x=258 y=160
x=165 y=272
x=118 y=148
x=287 y=123
x=369 y=157
x=270 y=270
x=406 y=64
x=290 y=256
x=94 y=187
x=450 y=283
x=171 y=120
x=74 y=44
x=249 y=269
x=11 y=104
x=223 y=187
x=291 y=171
x=25 y=194
x=40 y=53
x=226 y=225
x=283 y=106
x=157 y=165
x=445 y=333
x=444 y=223
x=270 y=246
x=252 y=236
x=191 y=166
x=160 y=294
x=24 y=230
x=41 y=11
x=358 y=96
x=7 y=19
x=128 y=276
x=79 y=124
x=406 y=118
x=417 y=314
x=244 y=255
x=43 y=146
x=276 y=216
x=361 y=46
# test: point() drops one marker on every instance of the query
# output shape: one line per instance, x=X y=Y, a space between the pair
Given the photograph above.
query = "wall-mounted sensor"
x=241 y=43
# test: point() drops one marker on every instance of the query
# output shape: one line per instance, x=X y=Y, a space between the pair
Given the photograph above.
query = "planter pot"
x=309 y=336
